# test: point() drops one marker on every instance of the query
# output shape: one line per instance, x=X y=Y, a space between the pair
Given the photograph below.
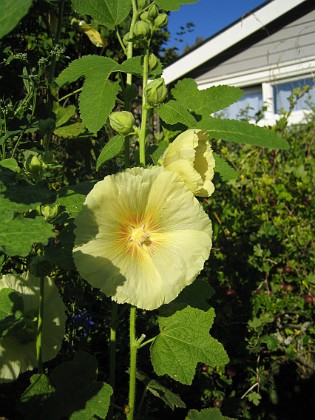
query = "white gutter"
x=228 y=38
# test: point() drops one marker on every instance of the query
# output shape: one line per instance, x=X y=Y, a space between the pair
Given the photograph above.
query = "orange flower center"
x=140 y=236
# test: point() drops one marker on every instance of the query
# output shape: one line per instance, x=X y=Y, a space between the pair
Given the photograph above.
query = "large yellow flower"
x=18 y=349
x=141 y=237
x=190 y=155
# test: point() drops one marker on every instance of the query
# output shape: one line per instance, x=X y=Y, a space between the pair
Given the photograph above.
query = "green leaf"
x=206 y=101
x=17 y=235
x=159 y=150
x=32 y=401
x=173 y=4
x=226 y=172
x=88 y=66
x=11 y=13
x=242 y=132
x=173 y=112
x=98 y=95
x=11 y=307
x=97 y=102
x=132 y=65
x=206 y=414
x=110 y=150
x=79 y=396
x=63 y=115
x=160 y=391
x=10 y=302
x=107 y=12
x=196 y=295
x=73 y=197
x=254 y=397
x=61 y=253
x=70 y=131
x=10 y=164
x=184 y=340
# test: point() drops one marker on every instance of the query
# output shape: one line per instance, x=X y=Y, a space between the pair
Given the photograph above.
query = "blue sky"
x=209 y=17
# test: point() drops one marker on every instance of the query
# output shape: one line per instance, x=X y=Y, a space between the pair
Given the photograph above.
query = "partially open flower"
x=141 y=237
x=18 y=347
x=190 y=155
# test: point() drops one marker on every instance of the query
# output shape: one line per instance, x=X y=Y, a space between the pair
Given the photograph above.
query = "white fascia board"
x=228 y=38
x=268 y=74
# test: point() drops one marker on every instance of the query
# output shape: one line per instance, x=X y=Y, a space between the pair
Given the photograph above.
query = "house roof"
x=234 y=34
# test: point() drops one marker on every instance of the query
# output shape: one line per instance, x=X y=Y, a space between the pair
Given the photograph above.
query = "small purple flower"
x=83 y=320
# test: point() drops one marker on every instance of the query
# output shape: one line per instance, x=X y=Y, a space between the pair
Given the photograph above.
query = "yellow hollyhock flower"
x=18 y=349
x=141 y=237
x=190 y=155
x=94 y=36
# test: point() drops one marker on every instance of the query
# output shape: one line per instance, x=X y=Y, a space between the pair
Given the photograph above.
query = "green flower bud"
x=122 y=122
x=35 y=167
x=142 y=4
x=161 y=20
x=49 y=213
x=153 y=11
x=153 y=61
x=145 y=17
x=141 y=30
x=155 y=92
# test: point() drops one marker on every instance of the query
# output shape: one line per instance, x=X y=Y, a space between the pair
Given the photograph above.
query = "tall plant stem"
x=133 y=363
x=56 y=41
x=144 y=116
x=39 y=356
x=112 y=354
x=129 y=54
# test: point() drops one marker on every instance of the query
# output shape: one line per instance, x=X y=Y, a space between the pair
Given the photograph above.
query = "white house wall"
x=289 y=51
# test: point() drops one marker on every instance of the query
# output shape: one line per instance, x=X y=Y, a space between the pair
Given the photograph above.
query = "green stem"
x=133 y=363
x=70 y=94
x=144 y=116
x=112 y=354
x=56 y=41
x=39 y=336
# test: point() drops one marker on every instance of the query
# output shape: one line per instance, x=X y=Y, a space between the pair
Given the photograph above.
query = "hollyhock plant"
x=190 y=155
x=18 y=348
x=141 y=237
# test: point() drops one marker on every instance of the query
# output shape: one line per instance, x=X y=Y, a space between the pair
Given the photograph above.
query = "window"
x=282 y=92
x=247 y=106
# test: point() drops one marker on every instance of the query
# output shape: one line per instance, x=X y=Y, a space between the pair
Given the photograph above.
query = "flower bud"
x=122 y=122
x=141 y=30
x=161 y=21
x=35 y=167
x=49 y=213
x=155 y=92
x=153 y=11
x=145 y=16
x=190 y=156
x=153 y=61
x=142 y=4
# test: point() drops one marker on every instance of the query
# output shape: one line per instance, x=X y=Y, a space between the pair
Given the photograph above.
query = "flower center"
x=139 y=235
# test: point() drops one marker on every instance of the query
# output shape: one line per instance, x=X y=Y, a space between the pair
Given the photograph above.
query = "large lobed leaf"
x=11 y=13
x=184 y=340
x=206 y=101
x=98 y=95
x=107 y=12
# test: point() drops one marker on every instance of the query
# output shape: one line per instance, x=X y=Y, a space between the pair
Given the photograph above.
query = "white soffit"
x=226 y=39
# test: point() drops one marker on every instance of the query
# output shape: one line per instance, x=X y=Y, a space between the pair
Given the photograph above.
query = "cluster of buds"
x=151 y=20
